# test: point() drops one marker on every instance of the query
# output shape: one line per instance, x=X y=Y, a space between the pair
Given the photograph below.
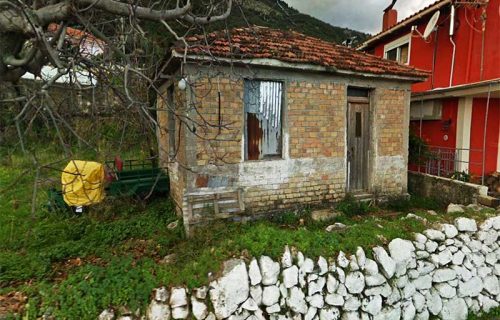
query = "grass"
x=73 y=267
x=492 y=315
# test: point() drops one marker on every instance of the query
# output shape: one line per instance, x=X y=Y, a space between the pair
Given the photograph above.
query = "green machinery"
x=127 y=178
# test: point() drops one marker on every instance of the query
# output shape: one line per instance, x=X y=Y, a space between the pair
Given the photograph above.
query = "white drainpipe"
x=452 y=31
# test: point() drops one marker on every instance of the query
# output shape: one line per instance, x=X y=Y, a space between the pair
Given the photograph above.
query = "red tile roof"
x=75 y=35
x=291 y=47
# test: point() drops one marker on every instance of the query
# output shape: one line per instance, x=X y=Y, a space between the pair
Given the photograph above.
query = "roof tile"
x=291 y=47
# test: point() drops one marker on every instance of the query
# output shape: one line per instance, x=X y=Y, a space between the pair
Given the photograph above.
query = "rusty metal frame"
x=284 y=87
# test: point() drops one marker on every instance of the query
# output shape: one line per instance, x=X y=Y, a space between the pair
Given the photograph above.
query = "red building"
x=457 y=110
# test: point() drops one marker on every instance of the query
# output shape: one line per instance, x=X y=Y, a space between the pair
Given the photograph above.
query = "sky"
x=361 y=15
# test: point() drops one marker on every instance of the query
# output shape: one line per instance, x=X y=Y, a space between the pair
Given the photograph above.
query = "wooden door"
x=358 y=145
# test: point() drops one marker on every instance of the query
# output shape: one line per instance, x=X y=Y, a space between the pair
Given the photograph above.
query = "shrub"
x=461 y=176
x=91 y=289
x=418 y=150
x=290 y=217
x=18 y=267
x=426 y=203
x=404 y=203
x=352 y=207
x=399 y=203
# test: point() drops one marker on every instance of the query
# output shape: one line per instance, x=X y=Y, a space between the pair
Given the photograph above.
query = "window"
x=263 y=109
x=171 y=122
x=426 y=110
x=403 y=53
x=358 y=124
x=398 y=50
x=358 y=92
x=392 y=54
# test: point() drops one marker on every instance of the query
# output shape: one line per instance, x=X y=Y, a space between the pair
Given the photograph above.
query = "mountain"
x=267 y=13
x=277 y=14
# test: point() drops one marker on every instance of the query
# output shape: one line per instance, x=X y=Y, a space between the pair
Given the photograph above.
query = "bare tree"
x=46 y=32
x=25 y=47
x=114 y=90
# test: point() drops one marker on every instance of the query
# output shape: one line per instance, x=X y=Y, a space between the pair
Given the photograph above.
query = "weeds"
x=72 y=267
x=406 y=203
x=352 y=207
x=494 y=314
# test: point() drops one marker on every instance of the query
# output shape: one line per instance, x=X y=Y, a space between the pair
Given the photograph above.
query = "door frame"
x=367 y=176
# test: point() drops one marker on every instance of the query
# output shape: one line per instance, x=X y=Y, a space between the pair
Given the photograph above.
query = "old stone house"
x=254 y=120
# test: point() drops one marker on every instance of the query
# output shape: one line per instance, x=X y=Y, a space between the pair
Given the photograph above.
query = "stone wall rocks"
x=445 y=190
x=445 y=273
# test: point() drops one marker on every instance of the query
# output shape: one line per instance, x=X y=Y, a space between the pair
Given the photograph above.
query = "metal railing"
x=448 y=162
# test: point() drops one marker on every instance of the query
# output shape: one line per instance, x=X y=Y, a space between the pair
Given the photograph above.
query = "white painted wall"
x=498 y=152
x=464 y=118
x=83 y=77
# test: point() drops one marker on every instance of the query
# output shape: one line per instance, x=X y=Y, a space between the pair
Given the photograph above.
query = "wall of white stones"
x=446 y=272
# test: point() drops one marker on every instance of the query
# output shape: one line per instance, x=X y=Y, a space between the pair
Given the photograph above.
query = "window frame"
x=281 y=147
x=417 y=109
x=397 y=44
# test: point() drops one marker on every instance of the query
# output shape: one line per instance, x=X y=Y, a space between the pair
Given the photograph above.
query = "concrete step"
x=364 y=197
x=488 y=201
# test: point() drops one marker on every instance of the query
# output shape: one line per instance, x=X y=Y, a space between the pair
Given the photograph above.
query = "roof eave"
x=402 y=24
x=275 y=63
x=468 y=89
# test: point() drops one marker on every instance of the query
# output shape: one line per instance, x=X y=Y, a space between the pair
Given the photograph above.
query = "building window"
x=392 y=54
x=171 y=122
x=398 y=50
x=426 y=110
x=263 y=109
x=358 y=92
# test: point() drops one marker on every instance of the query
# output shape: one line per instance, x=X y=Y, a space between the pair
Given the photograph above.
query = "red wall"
x=477 y=133
x=468 y=39
x=433 y=131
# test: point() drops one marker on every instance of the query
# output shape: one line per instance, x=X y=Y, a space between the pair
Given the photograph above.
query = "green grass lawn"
x=73 y=267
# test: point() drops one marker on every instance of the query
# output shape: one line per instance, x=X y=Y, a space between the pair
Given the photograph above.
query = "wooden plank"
x=366 y=144
x=240 y=200
x=358 y=100
x=211 y=191
x=190 y=207
x=209 y=197
x=358 y=145
x=223 y=203
x=216 y=203
x=231 y=204
x=226 y=204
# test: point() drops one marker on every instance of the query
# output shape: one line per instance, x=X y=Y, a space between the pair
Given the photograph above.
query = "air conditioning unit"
x=426 y=110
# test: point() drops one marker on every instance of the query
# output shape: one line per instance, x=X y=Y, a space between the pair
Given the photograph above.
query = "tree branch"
x=123 y=9
x=11 y=19
x=15 y=62
x=209 y=19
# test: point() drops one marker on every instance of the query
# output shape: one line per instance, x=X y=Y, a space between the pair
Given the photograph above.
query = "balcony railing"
x=448 y=162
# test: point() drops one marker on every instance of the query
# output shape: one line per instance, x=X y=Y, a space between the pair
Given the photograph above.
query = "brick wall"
x=389 y=117
x=391 y=125
x=214 y=143
x=312 y=169
x=316 y=119
x=173 y=160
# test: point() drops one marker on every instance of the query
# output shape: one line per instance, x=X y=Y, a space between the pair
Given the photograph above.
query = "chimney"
x=390 y=18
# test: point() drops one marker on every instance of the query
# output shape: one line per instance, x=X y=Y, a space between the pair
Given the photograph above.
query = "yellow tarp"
x=83 y=183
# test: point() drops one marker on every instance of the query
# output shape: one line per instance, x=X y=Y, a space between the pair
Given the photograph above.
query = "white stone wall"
x=447 y=273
